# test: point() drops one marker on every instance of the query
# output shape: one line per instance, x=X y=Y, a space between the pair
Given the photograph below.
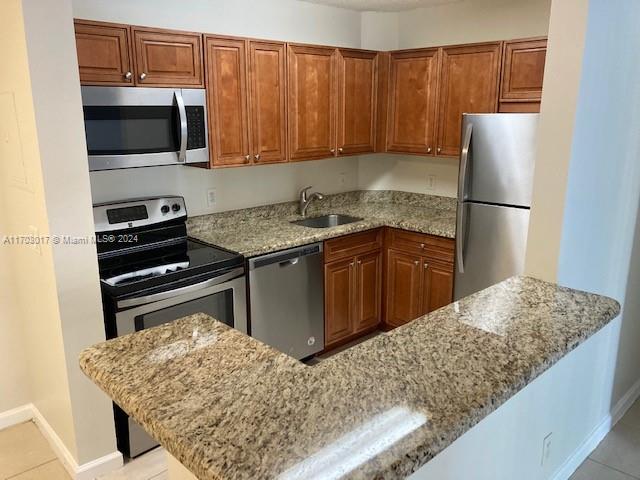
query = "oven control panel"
x=135 y=213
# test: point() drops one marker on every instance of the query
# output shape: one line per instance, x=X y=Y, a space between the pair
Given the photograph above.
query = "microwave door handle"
x=182 y=111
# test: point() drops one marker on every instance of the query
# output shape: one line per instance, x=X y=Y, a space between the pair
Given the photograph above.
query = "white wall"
x=466 y=21
x=288 y=20
x=600 y=242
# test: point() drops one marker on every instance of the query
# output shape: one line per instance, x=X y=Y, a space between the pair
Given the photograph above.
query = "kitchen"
x=393 y=175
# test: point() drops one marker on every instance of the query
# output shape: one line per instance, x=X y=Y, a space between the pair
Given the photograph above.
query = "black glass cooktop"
x=143 y=270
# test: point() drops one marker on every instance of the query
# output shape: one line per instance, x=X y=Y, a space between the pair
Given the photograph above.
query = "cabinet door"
x=227 y=100
x=356 y=101
x=412 y=101
x=338 y=294
x=268 y=101
x=404 y=278
x=104 y=53
x=468 y=84
x=312 y=102
x=368 y=291
x=437 y=286
x=168 y=58
x=522 y=75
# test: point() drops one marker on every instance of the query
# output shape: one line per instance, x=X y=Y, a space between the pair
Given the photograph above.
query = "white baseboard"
x=15 y=416
x=598 y=434
x=86 y=471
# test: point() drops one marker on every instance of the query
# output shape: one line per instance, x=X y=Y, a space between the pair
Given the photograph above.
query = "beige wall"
x=32 y=272
x=557 y=117
x=466 y=21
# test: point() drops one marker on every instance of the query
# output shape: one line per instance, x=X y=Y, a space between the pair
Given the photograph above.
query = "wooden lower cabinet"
x=353 y=289
x=419 y=275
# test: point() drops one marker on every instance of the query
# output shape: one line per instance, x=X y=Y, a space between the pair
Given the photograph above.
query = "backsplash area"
x=235 y=188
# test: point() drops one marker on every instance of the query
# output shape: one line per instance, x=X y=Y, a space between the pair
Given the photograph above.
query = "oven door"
x=224 y=298
x=138 y=127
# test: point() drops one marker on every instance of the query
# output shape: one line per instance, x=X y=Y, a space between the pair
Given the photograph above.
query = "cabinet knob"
x=247 y=157
x=333 y=150
x=128 y=75
x=439 y=149
x=422 y=245
x=257 y=156
x=426 y=265
x=417 y=262
x=340 y=150
x=359 y=262
x=428 y=149
x=351 y=264
x=143 y=76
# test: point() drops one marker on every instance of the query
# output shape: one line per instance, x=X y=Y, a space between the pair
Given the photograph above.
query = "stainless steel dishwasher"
x=286 y=292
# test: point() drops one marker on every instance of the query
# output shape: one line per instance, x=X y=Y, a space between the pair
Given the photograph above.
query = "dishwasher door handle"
x=286 y=258
x=288 y=263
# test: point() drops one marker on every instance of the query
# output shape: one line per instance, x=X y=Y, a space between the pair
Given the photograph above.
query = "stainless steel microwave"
x=130 y=127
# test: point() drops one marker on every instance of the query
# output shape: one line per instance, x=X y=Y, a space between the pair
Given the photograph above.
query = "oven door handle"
x=154 y=297
x=182 y=154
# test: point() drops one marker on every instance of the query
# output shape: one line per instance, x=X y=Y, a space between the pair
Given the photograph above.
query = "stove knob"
x=175 y=207
x=164 y=209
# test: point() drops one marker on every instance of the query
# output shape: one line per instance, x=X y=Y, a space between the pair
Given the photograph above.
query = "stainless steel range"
x=151 y=273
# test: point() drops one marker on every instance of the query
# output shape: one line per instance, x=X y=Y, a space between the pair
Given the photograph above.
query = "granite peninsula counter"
x=229 y=407
x=259 y=230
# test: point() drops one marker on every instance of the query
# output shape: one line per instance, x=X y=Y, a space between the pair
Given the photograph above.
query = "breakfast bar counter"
x=229 y=407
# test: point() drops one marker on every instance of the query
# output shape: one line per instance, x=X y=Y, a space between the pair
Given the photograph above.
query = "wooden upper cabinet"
x=468 y=84
x=167 y=58
x=268 y=103
x=412 y=101
x=311 y=102
x=356 y=101
x=522 y=74
x=104 y=53
x=227 y=101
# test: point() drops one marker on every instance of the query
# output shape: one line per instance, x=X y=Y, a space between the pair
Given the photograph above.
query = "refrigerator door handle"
x=462 y=181
x=462 y=207
x=464 y=160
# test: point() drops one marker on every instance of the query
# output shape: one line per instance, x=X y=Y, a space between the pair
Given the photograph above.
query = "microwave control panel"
x=196 y=131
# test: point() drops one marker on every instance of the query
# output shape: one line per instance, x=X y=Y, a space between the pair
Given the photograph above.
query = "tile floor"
x=26 y=455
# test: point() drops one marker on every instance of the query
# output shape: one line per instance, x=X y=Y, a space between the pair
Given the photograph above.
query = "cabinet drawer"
x=428 y=246
x=352 y=245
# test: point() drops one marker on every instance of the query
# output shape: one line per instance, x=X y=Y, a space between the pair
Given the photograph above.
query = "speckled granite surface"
x=229 y=407
x=254 y=231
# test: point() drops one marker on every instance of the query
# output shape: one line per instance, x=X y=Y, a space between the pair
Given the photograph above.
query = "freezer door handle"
x=464 y=160
x=460 y=234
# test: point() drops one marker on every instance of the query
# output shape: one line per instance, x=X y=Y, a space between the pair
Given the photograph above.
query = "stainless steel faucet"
x=305 y=200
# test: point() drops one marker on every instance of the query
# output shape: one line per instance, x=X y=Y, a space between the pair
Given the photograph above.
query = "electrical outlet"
x=342 y=179
x=211 y=197
x=546 y=449
x=431 y=182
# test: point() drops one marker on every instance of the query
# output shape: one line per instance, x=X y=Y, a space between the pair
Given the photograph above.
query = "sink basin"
x=327 y=221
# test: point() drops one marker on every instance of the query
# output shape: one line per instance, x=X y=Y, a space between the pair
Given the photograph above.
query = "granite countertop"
x=260 y=230
x=229 y=407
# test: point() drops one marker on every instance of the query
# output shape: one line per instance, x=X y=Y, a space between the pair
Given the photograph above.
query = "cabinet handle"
x=439 y=149
x=428 y=149
x=143 y=76
x=333 y=150
x=257 y=156
x=417 y=262
x=128 y=75
x=426 y=265
x=247 y=157
x=340 y=150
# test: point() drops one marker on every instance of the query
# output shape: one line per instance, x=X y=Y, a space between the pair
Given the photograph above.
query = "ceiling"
x=381 y=5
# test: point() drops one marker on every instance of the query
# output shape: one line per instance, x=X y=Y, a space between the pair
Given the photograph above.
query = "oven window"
x=131 y=129
x=219 y=306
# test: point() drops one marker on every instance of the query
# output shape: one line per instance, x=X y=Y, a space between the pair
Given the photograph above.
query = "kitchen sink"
x=326 y=221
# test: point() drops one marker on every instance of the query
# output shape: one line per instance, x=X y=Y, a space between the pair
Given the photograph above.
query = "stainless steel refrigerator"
x=494 y=197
